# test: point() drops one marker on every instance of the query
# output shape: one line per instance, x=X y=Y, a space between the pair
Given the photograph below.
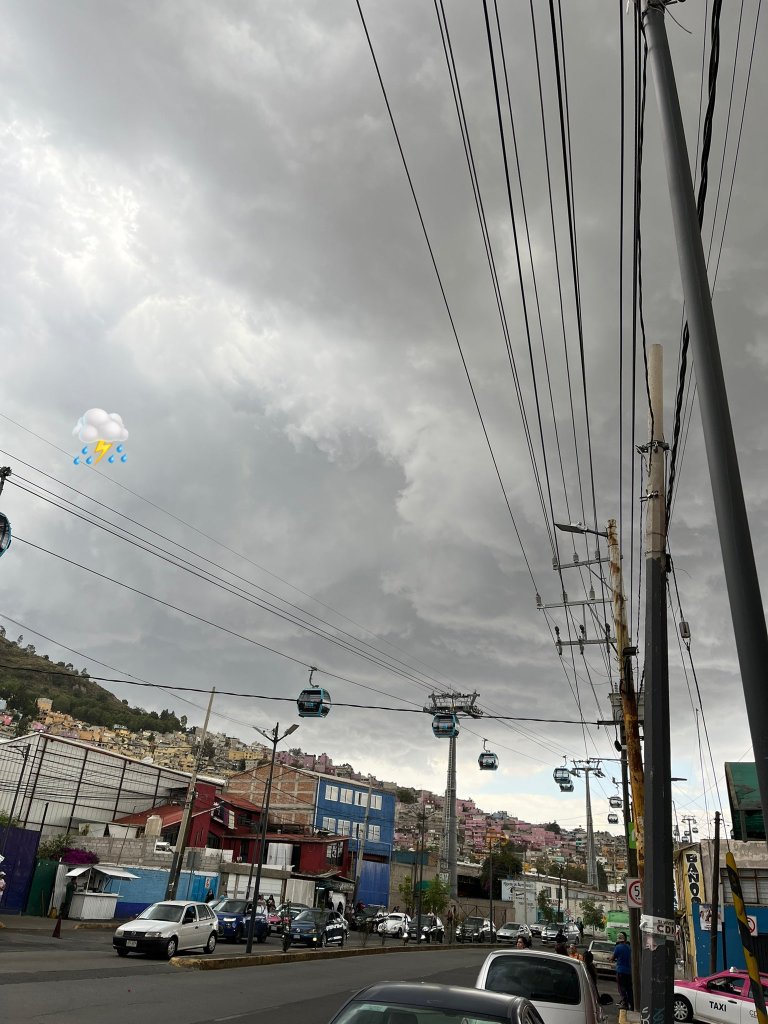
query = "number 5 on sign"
x=635 y=893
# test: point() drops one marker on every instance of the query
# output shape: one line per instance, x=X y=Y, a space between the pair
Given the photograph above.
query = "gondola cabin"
x=488 y=762
x=314 y=703
x=561 y=775
x=445 y=725
x=566 y=787
x=613 y=819
x=614 y=801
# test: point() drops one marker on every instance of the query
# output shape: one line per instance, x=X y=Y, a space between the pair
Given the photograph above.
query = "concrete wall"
x=293 y=794
x=120 y=851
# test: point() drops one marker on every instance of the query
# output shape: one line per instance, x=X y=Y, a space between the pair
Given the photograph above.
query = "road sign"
x=635 y=893
x=752 y=922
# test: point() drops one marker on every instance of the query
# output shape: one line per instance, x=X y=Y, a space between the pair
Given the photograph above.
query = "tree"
x=543 y=866
x=405 y=888
x=591 y=915
x=5 y=821
x=436 y=896
x=183 y=722
x=406 y=796
x=544 y=904
x=552 y=826
x=506 y=862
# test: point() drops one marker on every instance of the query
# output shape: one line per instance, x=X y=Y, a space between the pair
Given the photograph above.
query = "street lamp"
x=274 y=738
x=580 y=528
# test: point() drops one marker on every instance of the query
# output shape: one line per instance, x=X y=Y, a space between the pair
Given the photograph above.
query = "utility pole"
x=715 y=901
x=421 y=863
x=186 y=818
x=361 y=845
x=658 y=921
x=630 y=722
x=634 y=912
x=730 y=509
x=589 y=767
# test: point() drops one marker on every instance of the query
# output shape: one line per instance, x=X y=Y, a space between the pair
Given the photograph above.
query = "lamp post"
x=274 y=738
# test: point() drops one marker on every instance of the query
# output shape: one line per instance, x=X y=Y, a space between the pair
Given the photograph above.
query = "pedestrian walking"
x=580 y=926
x=622 y=957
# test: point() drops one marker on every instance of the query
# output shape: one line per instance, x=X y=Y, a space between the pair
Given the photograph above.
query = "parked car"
x=234 y=918
x=523 y=931
x=427 y=928
x=558 y=986
x=167 y=928
x=475 y=929
x=275 y=919
x=316 y=928
x=508 y=933
x=371 y=915
x=535 y=929
x=726 y=996
x=602 y=955
x=395 y=924
x=440 y=1004
x=569 y=930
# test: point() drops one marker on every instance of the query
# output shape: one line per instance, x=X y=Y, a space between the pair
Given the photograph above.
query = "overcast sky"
x=207 y=229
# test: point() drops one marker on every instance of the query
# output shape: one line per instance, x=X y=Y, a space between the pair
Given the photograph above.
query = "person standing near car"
x=589 y=963
x=622 y=957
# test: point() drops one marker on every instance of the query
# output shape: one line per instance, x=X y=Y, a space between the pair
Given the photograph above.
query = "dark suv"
x=427 y=928
x=475 y=929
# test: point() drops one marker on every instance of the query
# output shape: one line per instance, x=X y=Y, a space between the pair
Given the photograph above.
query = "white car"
x=724 y=998
x=558 y=986
x=395 y=924
x=164 y=929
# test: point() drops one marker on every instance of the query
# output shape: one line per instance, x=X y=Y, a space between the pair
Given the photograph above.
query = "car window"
x=189 y=915
x=382 y=1013
x=538 y=979
x=752 y=991
x=734 y=986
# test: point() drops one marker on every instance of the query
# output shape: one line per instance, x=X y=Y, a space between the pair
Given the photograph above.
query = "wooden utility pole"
x=624 y=652
x=658 y=921
x=186 y=818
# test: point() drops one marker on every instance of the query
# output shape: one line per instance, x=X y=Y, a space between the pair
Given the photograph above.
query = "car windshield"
x=162 y=912
x=473 y=922
x=380 y=1013
x=601 y=947
x=315 y=916
x=231 y=907
x=539 y=979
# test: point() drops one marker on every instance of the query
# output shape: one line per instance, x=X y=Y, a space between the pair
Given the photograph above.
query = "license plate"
x=131 y=943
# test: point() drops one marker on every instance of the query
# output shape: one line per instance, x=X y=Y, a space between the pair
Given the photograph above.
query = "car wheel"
x=121 y=952
x=238 y=933
x=399 y=933
x=210 y=944
x=481 y=937
x=682 y=1009
x=440 y=938
x=170 y=948
x=341 y=940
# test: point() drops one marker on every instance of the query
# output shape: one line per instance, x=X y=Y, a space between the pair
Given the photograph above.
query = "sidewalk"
x=45 y=925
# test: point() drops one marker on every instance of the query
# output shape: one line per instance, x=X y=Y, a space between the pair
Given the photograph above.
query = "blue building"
x=340 y=808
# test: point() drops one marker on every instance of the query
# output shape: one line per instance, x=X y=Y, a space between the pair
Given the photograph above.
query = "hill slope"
x=25 y=676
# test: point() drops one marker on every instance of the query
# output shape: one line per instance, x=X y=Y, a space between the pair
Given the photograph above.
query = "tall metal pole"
x=658 y=920
x=730 y=509
x=450 y=796
x=631 y=729
x=715 y=901
x=490 y=877
x=421 y=862
x=186 y=818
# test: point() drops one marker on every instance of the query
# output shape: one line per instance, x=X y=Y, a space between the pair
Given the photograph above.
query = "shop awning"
x=102 y=870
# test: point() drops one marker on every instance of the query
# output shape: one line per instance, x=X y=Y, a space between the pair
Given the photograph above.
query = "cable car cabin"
x=488 y=762
x=445 y=726
x=614 y=801
x=613 y=819
x=562 y=775
x=314 y=703
x=566 y=787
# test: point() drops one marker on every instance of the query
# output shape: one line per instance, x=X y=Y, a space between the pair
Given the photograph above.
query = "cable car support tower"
x=457 y=705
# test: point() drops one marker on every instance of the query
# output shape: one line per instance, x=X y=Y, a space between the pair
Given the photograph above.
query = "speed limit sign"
x=635 y=893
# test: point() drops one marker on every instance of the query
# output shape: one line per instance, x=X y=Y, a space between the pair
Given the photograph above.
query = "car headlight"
x=153 y=935
x=229 y=920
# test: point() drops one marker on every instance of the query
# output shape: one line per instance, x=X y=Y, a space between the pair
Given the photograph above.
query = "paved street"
x=79 y=980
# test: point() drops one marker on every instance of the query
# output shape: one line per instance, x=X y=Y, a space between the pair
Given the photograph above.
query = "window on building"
x=374 y=833
x=329 y=824
x=375 y=801
x=361 y=799
x=331 y=792
x=342 y=827
x=346 y=796
x=754 y=886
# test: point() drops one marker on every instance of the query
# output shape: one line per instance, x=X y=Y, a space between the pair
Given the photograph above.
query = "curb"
x=265 y=959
